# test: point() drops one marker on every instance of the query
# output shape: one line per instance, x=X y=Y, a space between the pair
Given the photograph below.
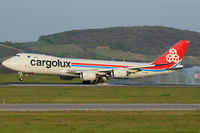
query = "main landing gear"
x=20 y=76
x=86 y=82
x=96 y=81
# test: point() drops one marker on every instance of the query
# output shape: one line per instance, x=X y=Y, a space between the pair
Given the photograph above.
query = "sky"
x=26 y=20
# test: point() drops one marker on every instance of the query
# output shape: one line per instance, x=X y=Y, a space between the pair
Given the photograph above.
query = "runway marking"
x=100 y=107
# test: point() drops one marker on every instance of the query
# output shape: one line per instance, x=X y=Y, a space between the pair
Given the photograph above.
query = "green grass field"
x=32 y=78
x=100 y=94
x=96 y=121
x=94 y=94
x=100 y=122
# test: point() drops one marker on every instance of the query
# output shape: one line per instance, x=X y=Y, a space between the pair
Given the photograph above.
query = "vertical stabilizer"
x=174 y=54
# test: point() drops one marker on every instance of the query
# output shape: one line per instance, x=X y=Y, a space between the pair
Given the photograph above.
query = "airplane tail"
x=174 y=54
x=172 y=57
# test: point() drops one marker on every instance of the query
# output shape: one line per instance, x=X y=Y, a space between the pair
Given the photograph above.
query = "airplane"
x=96 y=71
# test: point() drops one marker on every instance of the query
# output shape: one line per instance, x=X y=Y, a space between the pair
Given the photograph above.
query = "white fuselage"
x=45 y=64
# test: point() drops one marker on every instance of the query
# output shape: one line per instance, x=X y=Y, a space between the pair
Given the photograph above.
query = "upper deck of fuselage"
x=74 y=60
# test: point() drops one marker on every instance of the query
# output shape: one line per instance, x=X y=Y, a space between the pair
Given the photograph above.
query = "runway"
x=52 y=85
x=98 y=107
x=92 y=85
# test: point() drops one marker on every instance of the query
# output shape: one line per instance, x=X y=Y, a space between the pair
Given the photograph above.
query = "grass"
x=116 y=55
x=30 y=44
x=100 y=94
x=58 y=49
x=96 y=121
x=100 y=122
x=13 y=78
x=94 y=94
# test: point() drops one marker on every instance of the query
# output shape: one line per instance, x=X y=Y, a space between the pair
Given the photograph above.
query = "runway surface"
x=52 y=85
x=91 y=85
x=100 y=107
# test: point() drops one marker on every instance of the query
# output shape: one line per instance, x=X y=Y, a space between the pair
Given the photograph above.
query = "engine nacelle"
x=65 y=77
x=119 y=73
x=88 y=75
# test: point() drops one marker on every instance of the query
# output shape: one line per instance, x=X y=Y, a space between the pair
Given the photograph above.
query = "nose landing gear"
x=20 y=76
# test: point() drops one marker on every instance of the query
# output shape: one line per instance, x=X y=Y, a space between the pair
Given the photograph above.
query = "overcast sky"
x=26 y=20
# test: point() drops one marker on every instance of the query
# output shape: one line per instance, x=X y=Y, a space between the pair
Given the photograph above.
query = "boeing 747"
x=96 y=71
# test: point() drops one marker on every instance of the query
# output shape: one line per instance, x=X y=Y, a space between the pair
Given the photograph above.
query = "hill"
x=137 y=43
x=150 y=40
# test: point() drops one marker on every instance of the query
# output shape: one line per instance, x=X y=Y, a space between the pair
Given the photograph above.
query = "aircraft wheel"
x=86 y=82
x=98 y=80
x=21 y=79
x=95 y=82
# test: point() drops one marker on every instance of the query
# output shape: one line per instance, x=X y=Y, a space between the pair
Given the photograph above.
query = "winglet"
x=174 y=54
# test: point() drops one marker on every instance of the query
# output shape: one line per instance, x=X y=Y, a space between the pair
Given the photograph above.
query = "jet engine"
x=88 y=76
x=119 y=73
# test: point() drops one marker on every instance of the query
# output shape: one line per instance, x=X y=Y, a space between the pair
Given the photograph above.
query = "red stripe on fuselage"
x=98 y=65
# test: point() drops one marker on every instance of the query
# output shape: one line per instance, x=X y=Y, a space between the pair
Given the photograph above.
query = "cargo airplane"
x=96 y=71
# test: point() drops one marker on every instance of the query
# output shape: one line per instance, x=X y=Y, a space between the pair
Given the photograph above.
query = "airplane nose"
x=8 y=63
x=5 y=63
